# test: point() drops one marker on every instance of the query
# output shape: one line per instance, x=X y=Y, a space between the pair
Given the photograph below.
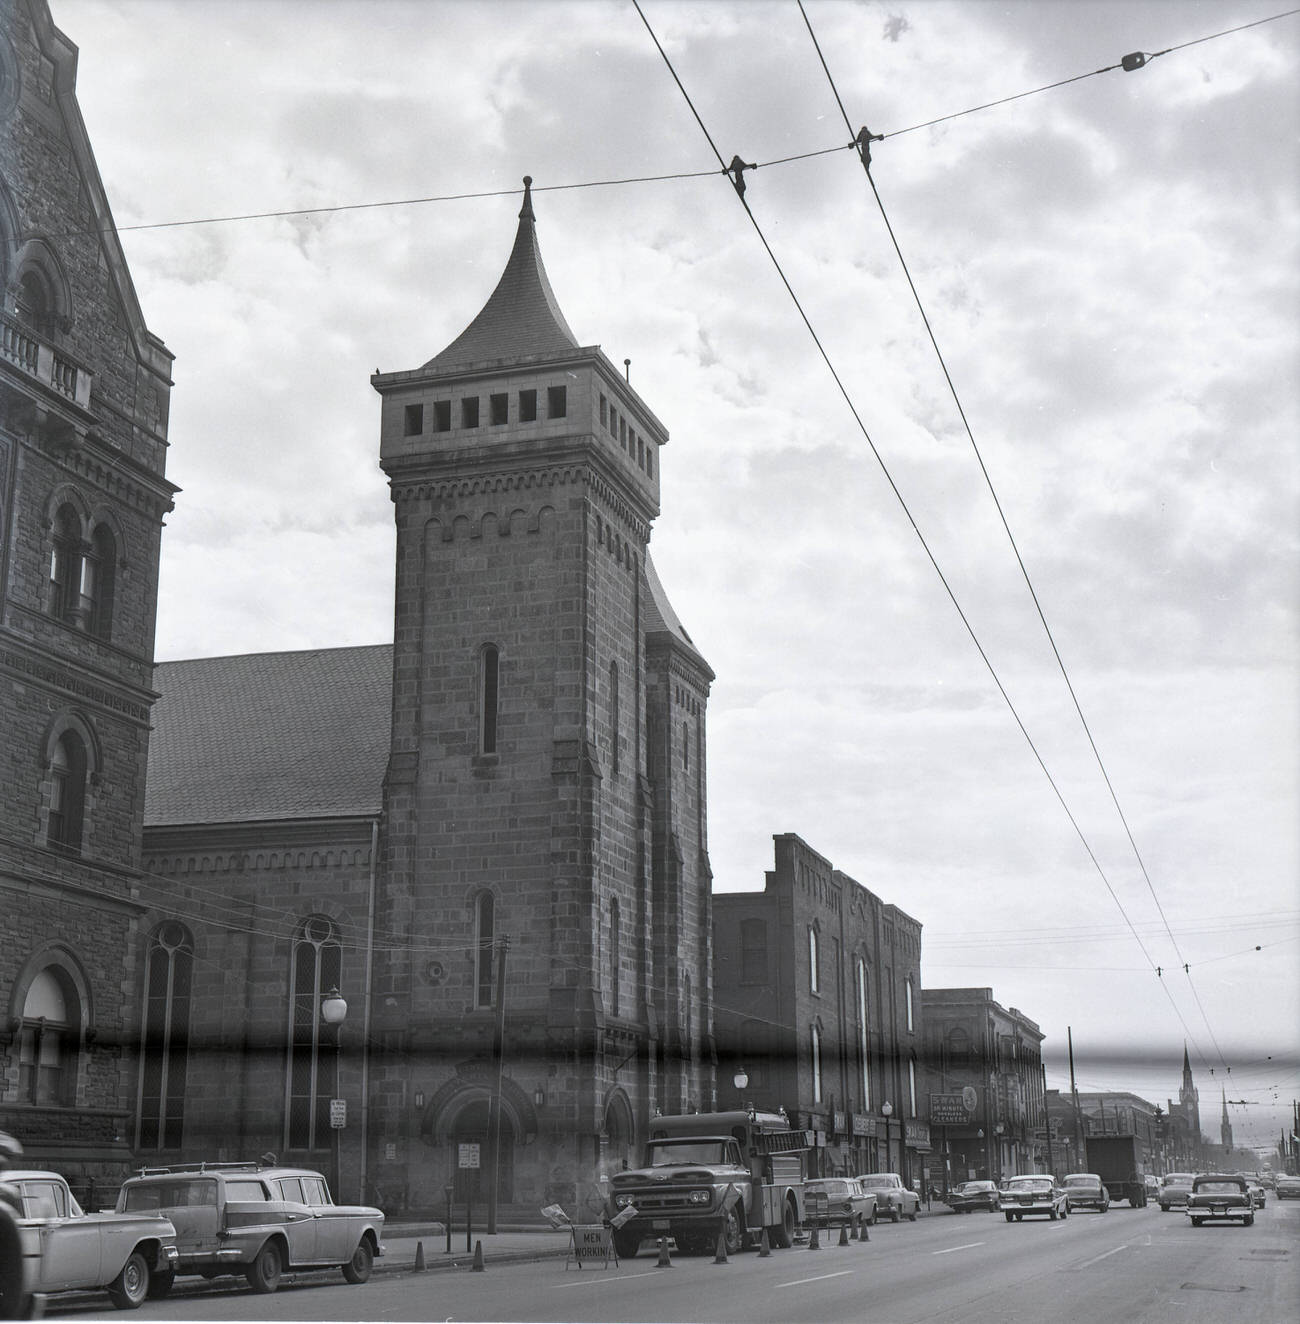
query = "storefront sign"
x=949 y=1110
x=864 y=1124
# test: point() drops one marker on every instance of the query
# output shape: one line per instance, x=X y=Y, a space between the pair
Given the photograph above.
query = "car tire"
x=130 y=1288
x=1164 y=1208
x=783 y=1233
x=266 y=1269
x=1051 y=1215
x=1249 y=1220
x=913 y=1214
x=357 y=1269
x=1104 y=1207
x=161 y=1284
x=733 y=1229
x=1196 y=1222
x=1009 y=1217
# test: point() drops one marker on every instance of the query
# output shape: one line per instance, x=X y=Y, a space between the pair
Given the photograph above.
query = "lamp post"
x=887 y=1111
x=997 y=1134
x=332 y=1011
x=741 y=1081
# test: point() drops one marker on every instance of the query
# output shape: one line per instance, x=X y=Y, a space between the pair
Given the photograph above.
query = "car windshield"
x=1178 y=1179
x=1218 y=1186
x=1030 y=1183
x=972 y=1187
x=830 y=1187
x=674 y=1153
x=1083 y=1181
x=876 y=1181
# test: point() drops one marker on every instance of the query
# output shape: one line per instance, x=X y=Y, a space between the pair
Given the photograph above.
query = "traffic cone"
x=720 y=1255
x=664 y=1261
x=764 y=1247
x=844 y=1235
x=477 y=1266
x=419 y=1255
x=814 y=1239
x=865 y=1234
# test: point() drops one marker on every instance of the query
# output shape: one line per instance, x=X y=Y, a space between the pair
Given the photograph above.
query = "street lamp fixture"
x=333 y=1008
x=887 y=1111
x=741 y=1079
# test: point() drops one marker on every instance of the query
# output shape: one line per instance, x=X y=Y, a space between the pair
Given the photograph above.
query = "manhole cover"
x=1272 y=1253
x=1209 y=1287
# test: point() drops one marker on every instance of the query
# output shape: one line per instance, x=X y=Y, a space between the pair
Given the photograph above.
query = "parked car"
x=1174 y=1190
x=1033 y=1193
x=66 y=1249
x=972 y=1195
x=257 y=1220
x=1287 y=1187
x=15 y=1300
x=1084 y=1190
x=893 y=1199
x=1221 y=1196
x=846 y=1200
x=1258 y=1194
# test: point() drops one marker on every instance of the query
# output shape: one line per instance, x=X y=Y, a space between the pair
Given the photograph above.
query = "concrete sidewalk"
x=512 y=1245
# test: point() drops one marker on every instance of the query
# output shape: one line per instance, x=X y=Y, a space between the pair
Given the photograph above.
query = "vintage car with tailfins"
x=1084 y=1191
x=893 y=1199
x=260 y=1220
x=972 y=1195
x=1033 y=1194
x=1220 y=1197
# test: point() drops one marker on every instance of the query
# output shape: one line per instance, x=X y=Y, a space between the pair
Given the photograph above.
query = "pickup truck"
x=67 y=1250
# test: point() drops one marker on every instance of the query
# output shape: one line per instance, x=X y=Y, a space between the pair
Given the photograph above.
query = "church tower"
x=1189 y=1099
x=1225 y=1126
x=544 y=907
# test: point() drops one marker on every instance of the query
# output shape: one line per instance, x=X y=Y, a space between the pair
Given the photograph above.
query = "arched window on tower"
x=615 y=955
x=164 y=1055
x=49 y=1034
x=862 y=1004
x=489 y=697
x=815 y=1048
x=317 y=967
x=814 y=960
x=34 y=303
x=63 y=598
x=67 y=793
x=614 y=734
x=485 y=931
x=98 y=582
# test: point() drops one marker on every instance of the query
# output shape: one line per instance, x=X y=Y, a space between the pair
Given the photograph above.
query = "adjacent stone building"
x=817 y=999
x=84 y=390
x=490 y=835
x=984 y=1075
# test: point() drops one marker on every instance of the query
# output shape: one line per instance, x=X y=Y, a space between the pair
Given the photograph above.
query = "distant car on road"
x=68 y=1250
x=1287 y=1187
x=1033 y=1193
x=1258 y=1194
x=892 y=1198
x=1220 y=1196
x=972 y=1195
x=846 y=1200
x=1151 y=1184
x=259 y=1221
x=1175 y=1187
x=1084 y=1190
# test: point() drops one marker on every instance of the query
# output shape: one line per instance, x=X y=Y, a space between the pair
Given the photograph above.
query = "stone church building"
x=489 y=836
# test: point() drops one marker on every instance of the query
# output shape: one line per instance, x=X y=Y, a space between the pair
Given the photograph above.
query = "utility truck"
x=734 y=1174
x=1120 y=1163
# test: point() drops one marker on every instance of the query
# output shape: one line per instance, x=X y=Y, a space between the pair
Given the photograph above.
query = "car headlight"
x=622 y=1201
x=701 y=1197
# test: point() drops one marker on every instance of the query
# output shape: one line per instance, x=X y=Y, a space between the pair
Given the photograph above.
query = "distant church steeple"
x=1189 y=1097
x=1225 y=1126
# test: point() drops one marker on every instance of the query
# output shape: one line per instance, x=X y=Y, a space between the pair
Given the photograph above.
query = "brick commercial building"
x=84 y=391
x=984 y=1076
x=490 y=835
x=817 y=996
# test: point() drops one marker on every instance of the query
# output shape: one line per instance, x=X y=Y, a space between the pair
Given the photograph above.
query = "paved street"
x=1128 y=1264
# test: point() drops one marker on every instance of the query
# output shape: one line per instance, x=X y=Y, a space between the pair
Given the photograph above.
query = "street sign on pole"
x=468 y=1155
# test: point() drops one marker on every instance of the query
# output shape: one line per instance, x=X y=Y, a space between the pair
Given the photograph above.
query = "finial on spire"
x=526 y=211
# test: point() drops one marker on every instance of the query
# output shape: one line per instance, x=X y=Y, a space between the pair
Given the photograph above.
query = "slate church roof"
x=522 y=317
x=268 y=736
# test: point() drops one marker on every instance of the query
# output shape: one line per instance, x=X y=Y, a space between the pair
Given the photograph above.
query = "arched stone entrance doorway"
x=470 y=1127
x=619 y=1133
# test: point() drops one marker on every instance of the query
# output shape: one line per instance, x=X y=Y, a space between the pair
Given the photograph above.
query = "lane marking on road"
x=1103 y=1256
x=821 y=1278
x=588 y=1282
x=970 y=1245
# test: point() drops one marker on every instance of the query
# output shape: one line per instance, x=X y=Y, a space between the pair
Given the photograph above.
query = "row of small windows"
x=685 y=699
x=615 y=544
x=617 y=426
x=498 y=410
x=83 y=573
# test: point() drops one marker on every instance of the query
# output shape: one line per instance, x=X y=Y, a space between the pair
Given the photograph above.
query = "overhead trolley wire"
x=736 y=171
x=864 y=139
x=331 y=209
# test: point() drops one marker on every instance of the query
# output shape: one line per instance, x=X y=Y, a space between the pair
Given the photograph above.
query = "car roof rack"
x=246 y=1165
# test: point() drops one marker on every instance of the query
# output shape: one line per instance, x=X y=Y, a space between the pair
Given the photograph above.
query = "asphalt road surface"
x=1127 y=1264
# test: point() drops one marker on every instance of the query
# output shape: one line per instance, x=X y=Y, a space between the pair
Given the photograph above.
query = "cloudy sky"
x=1110 y=270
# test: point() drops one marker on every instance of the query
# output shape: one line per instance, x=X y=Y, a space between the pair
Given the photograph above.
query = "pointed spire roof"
x=522 y=317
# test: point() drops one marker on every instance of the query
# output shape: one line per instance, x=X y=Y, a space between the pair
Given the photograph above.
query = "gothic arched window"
x=63 y=598
x=615 y=955
x=815 y=1049
x=67 y=793
x=164 y=1056
x=862 y=1004
x=316 y=969
x=489 y=697
x=485 y=928
x=98 y=582
x=49 y=1035
x=613 y=716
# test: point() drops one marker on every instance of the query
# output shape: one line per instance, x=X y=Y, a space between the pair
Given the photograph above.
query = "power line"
x=336 y=208
x=864 y=139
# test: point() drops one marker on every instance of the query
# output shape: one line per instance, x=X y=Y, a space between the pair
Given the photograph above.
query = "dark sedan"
x=972 y=1195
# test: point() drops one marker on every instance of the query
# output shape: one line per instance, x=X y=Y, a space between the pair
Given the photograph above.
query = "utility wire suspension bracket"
x=863 y=143
x=736 y=172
